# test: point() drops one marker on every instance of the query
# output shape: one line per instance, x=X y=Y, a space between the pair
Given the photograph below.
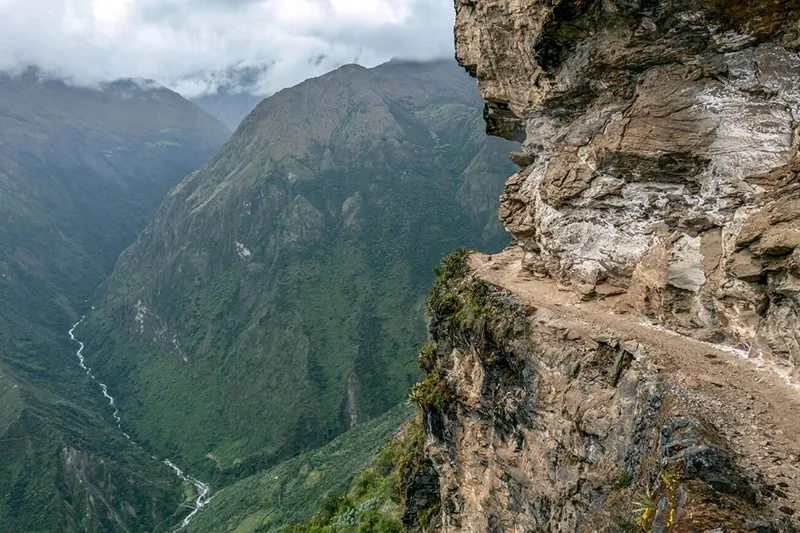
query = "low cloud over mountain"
x=190 y=45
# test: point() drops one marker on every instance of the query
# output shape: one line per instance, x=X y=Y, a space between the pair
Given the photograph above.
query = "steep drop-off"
x=81 y=171
x=274 y=300
x=631 y=361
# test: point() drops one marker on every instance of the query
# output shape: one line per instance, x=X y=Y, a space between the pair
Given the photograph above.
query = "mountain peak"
x=312 y=232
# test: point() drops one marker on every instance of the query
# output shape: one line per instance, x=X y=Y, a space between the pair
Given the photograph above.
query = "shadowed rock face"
x=547 y=414
x=662 y=137
x=586 y=378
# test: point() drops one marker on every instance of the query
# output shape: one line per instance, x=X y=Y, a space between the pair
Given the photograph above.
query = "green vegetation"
x=271 y=304
x=625 y=481
x=644 y=508
x=433 y=391
x=81 y=172
x=659 y=509
x=472 y=312
x=687 y=498
x=374 y=502
x=454 y=297
x=332 y=479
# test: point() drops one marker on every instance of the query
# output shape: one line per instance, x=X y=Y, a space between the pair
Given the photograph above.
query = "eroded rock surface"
x=661 y=143
x=631 y=362
x=548 y=412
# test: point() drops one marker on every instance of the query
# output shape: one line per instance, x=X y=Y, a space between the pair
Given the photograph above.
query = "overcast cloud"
x=184 y=43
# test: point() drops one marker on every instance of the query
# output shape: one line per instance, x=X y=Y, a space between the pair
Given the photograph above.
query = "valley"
x=552 y=285
x=297 y=227
x=287 y=276
x=203 y=491
x=81 y=171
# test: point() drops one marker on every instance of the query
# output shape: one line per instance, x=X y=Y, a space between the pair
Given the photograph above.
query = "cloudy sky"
x=184 y=43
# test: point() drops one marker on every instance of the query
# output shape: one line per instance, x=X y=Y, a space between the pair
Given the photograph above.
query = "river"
x=203 y=490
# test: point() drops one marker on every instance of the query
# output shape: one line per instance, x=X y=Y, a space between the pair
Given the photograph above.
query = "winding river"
x=203 y=490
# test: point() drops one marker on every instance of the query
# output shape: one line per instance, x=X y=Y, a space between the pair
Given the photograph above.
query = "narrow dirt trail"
x=754 y=406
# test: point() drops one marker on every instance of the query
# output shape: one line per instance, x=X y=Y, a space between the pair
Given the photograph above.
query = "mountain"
x=274 y=300
x=631 y=362
x=81 y=171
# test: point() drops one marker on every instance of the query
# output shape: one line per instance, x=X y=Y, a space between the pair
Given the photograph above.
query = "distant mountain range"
x=227 y=106
x=229 y=94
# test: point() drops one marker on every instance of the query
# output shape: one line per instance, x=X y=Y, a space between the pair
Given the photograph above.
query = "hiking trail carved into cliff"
x=751 y=403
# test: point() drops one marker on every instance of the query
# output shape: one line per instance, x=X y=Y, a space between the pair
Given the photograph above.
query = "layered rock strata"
x=631 y=362
x=662 y=154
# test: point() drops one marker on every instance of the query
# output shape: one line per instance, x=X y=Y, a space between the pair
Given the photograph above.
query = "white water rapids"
x=203 y=490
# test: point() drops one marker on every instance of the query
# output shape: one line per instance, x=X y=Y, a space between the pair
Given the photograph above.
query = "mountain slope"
x=631 y=362
x=80 y=173
x=274 y=299
x=229 y=94
x=290 y=491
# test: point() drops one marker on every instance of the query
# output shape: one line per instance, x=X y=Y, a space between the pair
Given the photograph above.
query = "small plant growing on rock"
x=427 y=357
x=432 y=392
x=472 y=310
x=670 y=479
x=625 y=480
x=644 y=506
x=425 y=517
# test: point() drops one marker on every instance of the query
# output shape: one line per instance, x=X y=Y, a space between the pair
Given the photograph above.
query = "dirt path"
x=754 y=407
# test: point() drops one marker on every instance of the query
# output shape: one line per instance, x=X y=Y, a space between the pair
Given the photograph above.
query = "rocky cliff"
x=632 y=360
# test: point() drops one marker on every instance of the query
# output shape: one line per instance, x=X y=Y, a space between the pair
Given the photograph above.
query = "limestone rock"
x=685 y=265
x=647 y=125
x=663 y=164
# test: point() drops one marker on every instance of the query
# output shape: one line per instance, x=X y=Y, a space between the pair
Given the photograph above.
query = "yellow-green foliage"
x=427 y=357
x=374 y=502
x=643 y=507
x=646 y=506
x=433 y=391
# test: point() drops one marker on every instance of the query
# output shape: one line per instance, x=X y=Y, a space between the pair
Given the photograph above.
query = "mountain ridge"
x=304 y=200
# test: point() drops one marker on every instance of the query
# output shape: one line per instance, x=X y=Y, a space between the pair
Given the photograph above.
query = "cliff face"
x=662 y=145
x=546 y=413
x=631 y=361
